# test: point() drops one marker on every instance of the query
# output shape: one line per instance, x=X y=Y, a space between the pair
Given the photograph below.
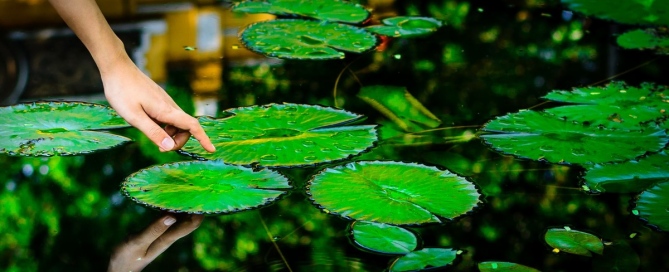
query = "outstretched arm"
x=138 y=99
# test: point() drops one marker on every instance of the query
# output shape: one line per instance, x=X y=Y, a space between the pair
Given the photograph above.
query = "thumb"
x=155 y=133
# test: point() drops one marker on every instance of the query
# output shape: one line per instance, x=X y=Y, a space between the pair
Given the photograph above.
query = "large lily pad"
x=425 y=258
x=543 y=136
x=574 y=242
x=392 y=192
x=655 y=12
x=58 y=128
x=504 y=267
x=645 y=39
x=653 y=206
x=302 y=39
x=284 y=135
x=628 y=177
x=327 y=10
x=383 y=238
x=204 y=187
x=400 y=106
x=406 y=27
x=615 y=105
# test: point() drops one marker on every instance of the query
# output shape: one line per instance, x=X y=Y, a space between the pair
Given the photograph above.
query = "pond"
x=509 y=132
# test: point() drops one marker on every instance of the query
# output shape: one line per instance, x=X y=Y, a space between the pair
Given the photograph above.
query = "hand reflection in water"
x=138 y=251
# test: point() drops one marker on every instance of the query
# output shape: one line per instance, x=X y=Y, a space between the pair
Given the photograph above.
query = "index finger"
x=186 y=122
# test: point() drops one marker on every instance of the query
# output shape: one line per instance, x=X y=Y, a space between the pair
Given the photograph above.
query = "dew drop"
x=268 y=157
x=343 y=147
x=310 y=158
x=291 y=122
x=325 y=149
x=298 y=150
x=308 y=143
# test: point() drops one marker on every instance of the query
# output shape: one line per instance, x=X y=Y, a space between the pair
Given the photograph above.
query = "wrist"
x=112 y=57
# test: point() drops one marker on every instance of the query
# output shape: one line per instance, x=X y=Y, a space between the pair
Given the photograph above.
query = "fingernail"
x=169 y=221
x=213 y=147
x=167 y=143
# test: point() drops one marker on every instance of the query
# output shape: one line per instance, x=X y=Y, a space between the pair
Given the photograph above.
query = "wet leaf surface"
x=425 y=258
x=628 y=177
x=392 y=192
x=326 y=10
x=653 y=206
x=655 y=12
x=504 y=267
x=204 y=187
x=383 y=238
x=284 y=135
x=574 y=242
x=406 y=26
x=58 y=128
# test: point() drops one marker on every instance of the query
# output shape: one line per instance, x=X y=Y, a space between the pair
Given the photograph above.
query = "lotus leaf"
x=406 y=27
x=302 y=39
x=383 y=238
x=284 y=135
x=628 y=177
x=425 y=258
x=204 y=187
x=574 y=242
x=653 y=206
x=58 y=128
x=504 y=267
x=543 y=136
x=327 y=10
x=645 y=39
x=392 y=192
x=644 y=12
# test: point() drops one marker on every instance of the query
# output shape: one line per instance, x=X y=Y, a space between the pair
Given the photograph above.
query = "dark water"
x=65 y=214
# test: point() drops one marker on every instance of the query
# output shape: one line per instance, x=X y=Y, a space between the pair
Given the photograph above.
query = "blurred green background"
x=491 y=58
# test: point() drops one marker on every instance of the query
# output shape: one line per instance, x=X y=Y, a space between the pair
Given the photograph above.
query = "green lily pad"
x=326 y=10
x=406 y=27
x=574 y=242
x=653 y=206
x=425 y=258
x=383 y=238
x=392 y=192
x=543 y=136
x=400 y=106
x=302 y=39
x=628 y=177
x=58 y=128
x=204 y=187
x=284 y=135
x=644 y=12
x=615 y=105
x=504 y=267
x=645 y=39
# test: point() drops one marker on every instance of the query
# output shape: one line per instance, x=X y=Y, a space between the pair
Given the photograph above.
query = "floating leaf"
x=204 y=187
x=504 y=267
x=383 y=238
x=653 y=206
x=538 y=135
x=327 y=10
x=655 y=12
x=425 y=258
x=574 y=242
x=618 y=256
x=302 y=39
x=406 y=27
x=400 y=106
x=628 y=177
x=645 y=39
x=284 y=135
x=58 y=128
x=392 y=192
x=615 y=105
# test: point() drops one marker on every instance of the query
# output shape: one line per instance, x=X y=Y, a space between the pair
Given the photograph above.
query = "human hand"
x=145 y=105
x=137 y=252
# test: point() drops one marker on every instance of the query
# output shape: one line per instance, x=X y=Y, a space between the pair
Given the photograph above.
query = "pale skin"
x=146 y=106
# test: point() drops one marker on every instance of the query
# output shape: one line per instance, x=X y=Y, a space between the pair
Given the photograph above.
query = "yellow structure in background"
x=199 y=34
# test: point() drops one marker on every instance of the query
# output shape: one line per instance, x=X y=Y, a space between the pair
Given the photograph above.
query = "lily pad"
x=302 y=39
x=574 y=242
x=204 y=187
x=615 y=105
x=406 y=27
x=644 y=12
x=543 y=136
x=392 y=192
x=504 y=267
x=58 y=128
x=383 y=238
x=400 y=106
x=284 y=135
x=645 y=39
x=653 y=206
x=326 y=10
x=425 y=258
x=628 y=177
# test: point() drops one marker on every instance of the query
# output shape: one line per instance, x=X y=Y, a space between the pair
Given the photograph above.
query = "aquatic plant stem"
x=271 y=238
x=334 y=91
